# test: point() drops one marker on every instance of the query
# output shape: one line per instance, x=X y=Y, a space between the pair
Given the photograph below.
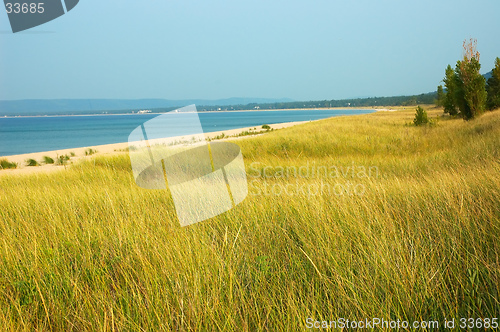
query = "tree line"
x=412 y=100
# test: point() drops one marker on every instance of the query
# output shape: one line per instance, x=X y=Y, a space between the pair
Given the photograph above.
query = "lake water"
x=21 y=135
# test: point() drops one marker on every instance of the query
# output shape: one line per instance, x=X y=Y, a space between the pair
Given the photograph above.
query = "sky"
x=298 y=49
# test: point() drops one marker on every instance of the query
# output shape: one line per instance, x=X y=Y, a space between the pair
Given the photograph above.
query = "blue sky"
x=304 y=50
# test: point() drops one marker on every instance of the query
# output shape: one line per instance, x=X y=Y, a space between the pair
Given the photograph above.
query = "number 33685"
x=24 y=8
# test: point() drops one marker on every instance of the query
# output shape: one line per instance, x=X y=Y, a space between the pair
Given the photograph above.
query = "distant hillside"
x=488 y=75
x=98 y=106
x=110 y=106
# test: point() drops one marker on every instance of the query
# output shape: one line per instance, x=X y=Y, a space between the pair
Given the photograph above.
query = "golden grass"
x=87 y=250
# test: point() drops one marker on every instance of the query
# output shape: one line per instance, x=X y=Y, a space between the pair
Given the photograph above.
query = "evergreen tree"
x=450 y=83
x=493 y=87
x=440 y=96
x=420 y=117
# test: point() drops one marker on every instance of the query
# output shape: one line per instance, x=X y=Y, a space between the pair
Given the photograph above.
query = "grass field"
x=418 y=238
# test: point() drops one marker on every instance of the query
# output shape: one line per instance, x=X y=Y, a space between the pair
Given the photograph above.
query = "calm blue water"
x=38 y=134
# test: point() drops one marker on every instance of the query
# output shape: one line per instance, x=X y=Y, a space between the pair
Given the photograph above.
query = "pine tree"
x=450 y=85
x=440 y=96
x=493 y=87
x=420 y=117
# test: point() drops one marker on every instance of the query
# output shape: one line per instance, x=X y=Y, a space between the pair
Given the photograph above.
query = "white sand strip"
x=107 y=149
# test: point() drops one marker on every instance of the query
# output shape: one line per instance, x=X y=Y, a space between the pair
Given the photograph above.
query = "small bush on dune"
x=5 y=164
x=61 y=160
x=47 y=160
x=266 y=126
x=90 y=152
x=32 y=162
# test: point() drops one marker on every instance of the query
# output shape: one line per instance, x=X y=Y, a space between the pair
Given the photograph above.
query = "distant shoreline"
x=225 y=111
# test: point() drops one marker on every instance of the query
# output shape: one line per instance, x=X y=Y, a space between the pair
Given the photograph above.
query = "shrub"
x=90 y=152
x=221 y=136
x=48 y=160
x=61 y=160
x=72 y=154
x=5 y=164
x=266 y=127
x=32 y=162
x=420 y=117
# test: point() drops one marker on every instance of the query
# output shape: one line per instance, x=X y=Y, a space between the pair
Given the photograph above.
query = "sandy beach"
x=79 y=153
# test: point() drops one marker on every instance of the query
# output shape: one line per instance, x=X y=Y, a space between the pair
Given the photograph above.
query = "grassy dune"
x=86 y=249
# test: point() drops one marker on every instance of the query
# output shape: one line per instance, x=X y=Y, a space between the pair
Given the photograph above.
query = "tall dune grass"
x=86 y=249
